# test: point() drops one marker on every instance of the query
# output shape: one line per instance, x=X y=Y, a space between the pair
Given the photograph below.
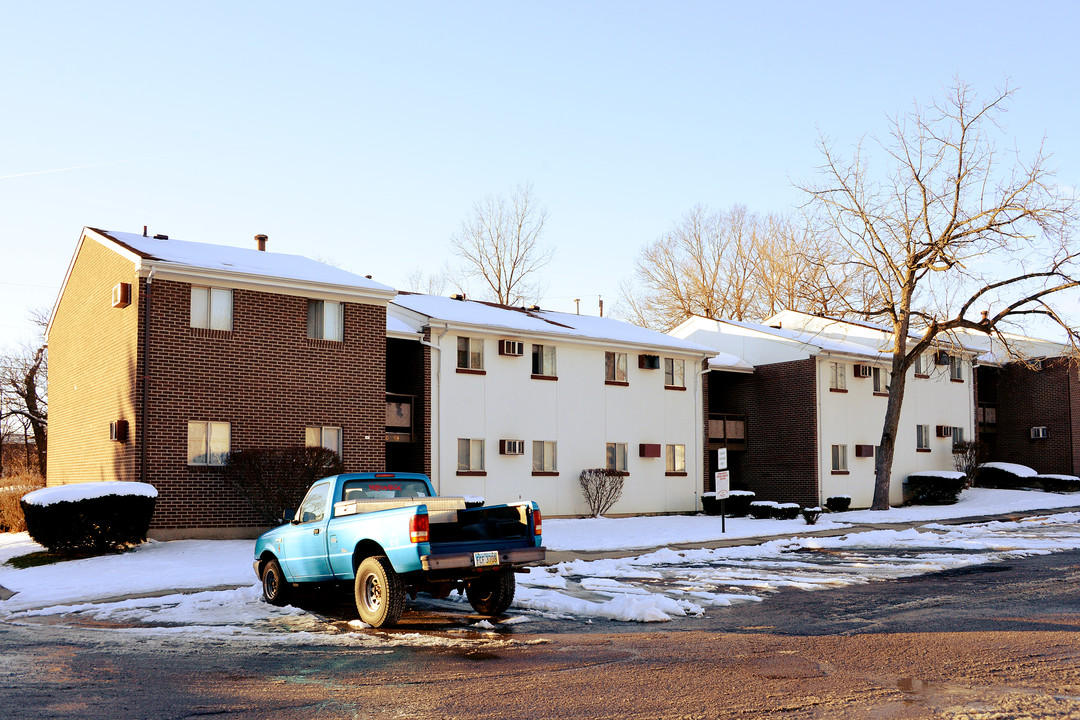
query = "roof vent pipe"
x=261 y=240
x=144 y=231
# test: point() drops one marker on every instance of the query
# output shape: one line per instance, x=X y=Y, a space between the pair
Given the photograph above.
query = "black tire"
x=379 y=592
x=275 y=588
x=493 y=594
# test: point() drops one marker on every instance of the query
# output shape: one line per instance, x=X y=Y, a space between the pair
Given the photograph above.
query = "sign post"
x=722 y=485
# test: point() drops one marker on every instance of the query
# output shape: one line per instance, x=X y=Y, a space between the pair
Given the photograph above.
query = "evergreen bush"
x=811 y=515
x=762 y=509
x=935 y=489
x=837 y=503
x=103 y=523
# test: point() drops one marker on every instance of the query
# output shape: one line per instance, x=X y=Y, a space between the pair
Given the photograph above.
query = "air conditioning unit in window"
x=648 y=362
x=941 y=358
x=118 y=430
x=121 y=295
x=511 y=348
x=864 y=451
x=862 y=371
x=1040 y=433
x=944 y=431
x=511 y=447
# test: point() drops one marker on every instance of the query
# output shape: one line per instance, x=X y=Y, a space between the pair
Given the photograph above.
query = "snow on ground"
x=199 y=587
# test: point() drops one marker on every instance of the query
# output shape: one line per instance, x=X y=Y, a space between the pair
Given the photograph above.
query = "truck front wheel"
x=380 y=594
x=275 y=587
x=493 y=594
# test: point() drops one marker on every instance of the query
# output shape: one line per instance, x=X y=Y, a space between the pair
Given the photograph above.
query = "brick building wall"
x=92 y=365
x=779 y=401
x=1028 y=398
x=265 y=378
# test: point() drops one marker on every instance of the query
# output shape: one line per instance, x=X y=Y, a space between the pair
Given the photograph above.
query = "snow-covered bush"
x=941 y=487
x=602 y=488
x=762 y=509
x=837 y=503
x=275 y=480
x=1059 y=483
x=89 y=517
x=786 y=511
x=738 y=503
x=811 y=514
x=1004 y=475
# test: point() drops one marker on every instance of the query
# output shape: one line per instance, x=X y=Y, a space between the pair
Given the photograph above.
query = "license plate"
x=486 y=558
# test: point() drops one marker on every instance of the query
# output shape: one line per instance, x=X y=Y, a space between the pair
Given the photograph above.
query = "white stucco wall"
x=578 y=411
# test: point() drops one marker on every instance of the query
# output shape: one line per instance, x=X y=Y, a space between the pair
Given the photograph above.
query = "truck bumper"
x=507 y=559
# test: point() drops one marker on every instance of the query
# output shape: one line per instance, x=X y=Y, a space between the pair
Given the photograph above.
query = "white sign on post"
x=721 y=459
x=723 y=484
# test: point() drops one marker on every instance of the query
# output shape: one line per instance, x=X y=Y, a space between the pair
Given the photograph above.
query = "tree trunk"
x=883 y=459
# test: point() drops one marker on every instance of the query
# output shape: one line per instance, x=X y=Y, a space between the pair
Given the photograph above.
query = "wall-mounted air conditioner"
x=118 y=430
x=511 y=348
x=121 y=295
x=862 y=371
x=649 y=450
x=1040 y=433
x=648 y=362
x=511 y=447
x=944 y=431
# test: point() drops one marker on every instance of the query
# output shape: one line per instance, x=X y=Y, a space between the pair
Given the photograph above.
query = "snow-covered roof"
x=811 y=339
x=243 y=260
x=870 y=334
x=420 y=309
x=998 y=348
x=729 y=362
x=397 y=326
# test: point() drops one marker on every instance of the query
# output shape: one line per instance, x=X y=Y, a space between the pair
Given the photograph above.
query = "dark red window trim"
x=956 y=380
x=470 y=371
x=472 y=473
x=545 y=473
x=839 y=390
x=545 y=377
x=922 y=450
x=920 y=375
x=675 y=387
x=841 y=472
x=619 y=383
x=881 y=394
x=671 y=473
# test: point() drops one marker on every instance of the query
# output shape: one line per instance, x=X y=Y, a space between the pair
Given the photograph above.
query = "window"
x=881 y=381
x=616 y=456
x=313 y=509
x=470 y=455
x=922 y=437
x=324 y=320
x=921 y=366
x=674 y=372
x=211 y=308
x=956 y=367
x=543 y=360
x=545 y=458
x=839 y=458
x=676 y=458
x=957 y=435
x=470 y=353
x=837 y=380
x=208 y=443
x=615 y=367
x=327 y=437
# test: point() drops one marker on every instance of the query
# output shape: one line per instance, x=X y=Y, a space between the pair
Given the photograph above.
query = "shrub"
x=89 y=517
x=966 y=459
x=762 y=509
x=738 y=503
x=838 y=503
x=711 y=504
x=602 y=489
x=275 y=480
x=941 y=488
x=11 y=514
x=1003 y=475
x=1059 y=483
x=786 y=511
x=811 y=515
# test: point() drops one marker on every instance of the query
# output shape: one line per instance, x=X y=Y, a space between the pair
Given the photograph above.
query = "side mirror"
x=288 y=516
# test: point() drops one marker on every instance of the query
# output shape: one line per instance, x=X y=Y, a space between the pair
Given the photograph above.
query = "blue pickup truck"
x=389 y=535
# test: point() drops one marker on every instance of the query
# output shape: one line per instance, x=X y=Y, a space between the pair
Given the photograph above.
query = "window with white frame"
x=674 y=372
x=208 y=443
x=616 y=457
x=956 y=367
x=211 y=308
x=470 y=455
x=470 y=353
x=545 y=457
x=325 y=320
x=323 y=436
x=615 y=367
x=922 y=437
x=839 y=458
x=676 y=458
x=881 y=380
x=837 y=379
x=920 y=365
x=543 y=360
x=957 y=435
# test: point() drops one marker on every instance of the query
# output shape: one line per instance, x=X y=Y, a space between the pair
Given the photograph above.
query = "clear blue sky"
x=362 y=133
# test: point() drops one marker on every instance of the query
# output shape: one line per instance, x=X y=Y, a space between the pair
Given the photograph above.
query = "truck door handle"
x=316 y=531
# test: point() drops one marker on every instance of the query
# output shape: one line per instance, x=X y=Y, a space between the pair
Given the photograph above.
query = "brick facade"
x=780 y=404
x=1027 y=398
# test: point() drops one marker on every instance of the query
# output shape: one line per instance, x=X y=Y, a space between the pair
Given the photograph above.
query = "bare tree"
x=23 y=376
x=732 y=264
x=500 y=244
x=430 y=284
x=953 y=227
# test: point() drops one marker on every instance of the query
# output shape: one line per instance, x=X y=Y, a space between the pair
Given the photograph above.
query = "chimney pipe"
x=261 y=240
x=577 y=306
x=601 y=307
x=144 y=231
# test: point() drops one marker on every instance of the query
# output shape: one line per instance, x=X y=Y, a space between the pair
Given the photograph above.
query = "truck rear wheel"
x=492 y=595
x=275 y=587
x=380 y=594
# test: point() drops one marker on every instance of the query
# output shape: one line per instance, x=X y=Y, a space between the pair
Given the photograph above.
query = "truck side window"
x=314 y=506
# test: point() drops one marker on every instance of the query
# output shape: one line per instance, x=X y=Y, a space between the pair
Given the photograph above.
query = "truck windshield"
x=383 y=488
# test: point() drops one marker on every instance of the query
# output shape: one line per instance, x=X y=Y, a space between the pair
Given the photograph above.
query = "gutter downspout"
x=437 y=430
x=143 y=411
x=702 y=405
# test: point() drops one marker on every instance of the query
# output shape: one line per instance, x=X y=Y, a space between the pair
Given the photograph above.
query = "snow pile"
x=1012 y=468
x=88 y=491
